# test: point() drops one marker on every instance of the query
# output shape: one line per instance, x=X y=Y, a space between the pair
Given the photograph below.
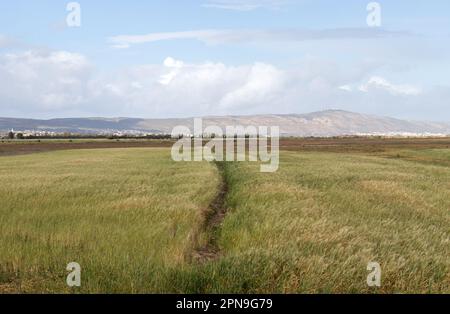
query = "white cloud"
x=52 y=80
x=124 y=41
x=179 y=88
x=244 y=5
x=60 y=83
x=379 y=83
x=262 y=84
x=169 y=62
x=172 y=63
x=222 y=36
x=346 y=88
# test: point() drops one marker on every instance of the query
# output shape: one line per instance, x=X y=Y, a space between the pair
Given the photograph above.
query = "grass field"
x=133 y=218
x=125 y=215
x=315 y=224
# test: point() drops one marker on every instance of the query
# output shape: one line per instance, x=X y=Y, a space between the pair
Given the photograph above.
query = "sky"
x=184 y=58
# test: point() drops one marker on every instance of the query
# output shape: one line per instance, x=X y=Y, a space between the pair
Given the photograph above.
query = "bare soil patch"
x=215 y=215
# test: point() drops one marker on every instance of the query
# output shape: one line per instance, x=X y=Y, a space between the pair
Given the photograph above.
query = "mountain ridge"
x=320 y=123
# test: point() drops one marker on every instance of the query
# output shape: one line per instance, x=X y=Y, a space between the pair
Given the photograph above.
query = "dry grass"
x=324 y=216
x=313 y=226
x=131 y=218
x=126 y=215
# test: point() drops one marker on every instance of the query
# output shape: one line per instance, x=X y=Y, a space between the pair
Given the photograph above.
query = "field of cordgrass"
x=314 y=225
x=132 y=218
x=125 y=215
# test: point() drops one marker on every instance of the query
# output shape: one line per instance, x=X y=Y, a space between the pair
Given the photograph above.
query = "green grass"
x=125 y=215
x=313 y=226
x=131 y=218
x=426 y=156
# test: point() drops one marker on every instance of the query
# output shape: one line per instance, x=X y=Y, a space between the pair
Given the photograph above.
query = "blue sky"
x=181 y=58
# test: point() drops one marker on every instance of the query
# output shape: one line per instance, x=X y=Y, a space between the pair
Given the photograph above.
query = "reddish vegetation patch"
x=361 y=144
x=36 y=147
x=356 y=144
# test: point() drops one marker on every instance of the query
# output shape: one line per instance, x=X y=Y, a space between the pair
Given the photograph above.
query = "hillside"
x=323 y=123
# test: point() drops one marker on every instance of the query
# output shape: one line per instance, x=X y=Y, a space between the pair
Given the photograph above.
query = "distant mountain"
x=323 y=123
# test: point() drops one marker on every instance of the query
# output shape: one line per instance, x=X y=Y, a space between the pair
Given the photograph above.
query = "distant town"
x=40 y=134
x=136 y=134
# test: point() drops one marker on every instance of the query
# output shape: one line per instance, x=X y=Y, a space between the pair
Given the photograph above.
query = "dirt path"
x=216 y=214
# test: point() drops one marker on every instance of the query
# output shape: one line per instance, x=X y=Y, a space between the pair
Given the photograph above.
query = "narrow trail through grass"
x=215 y=215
